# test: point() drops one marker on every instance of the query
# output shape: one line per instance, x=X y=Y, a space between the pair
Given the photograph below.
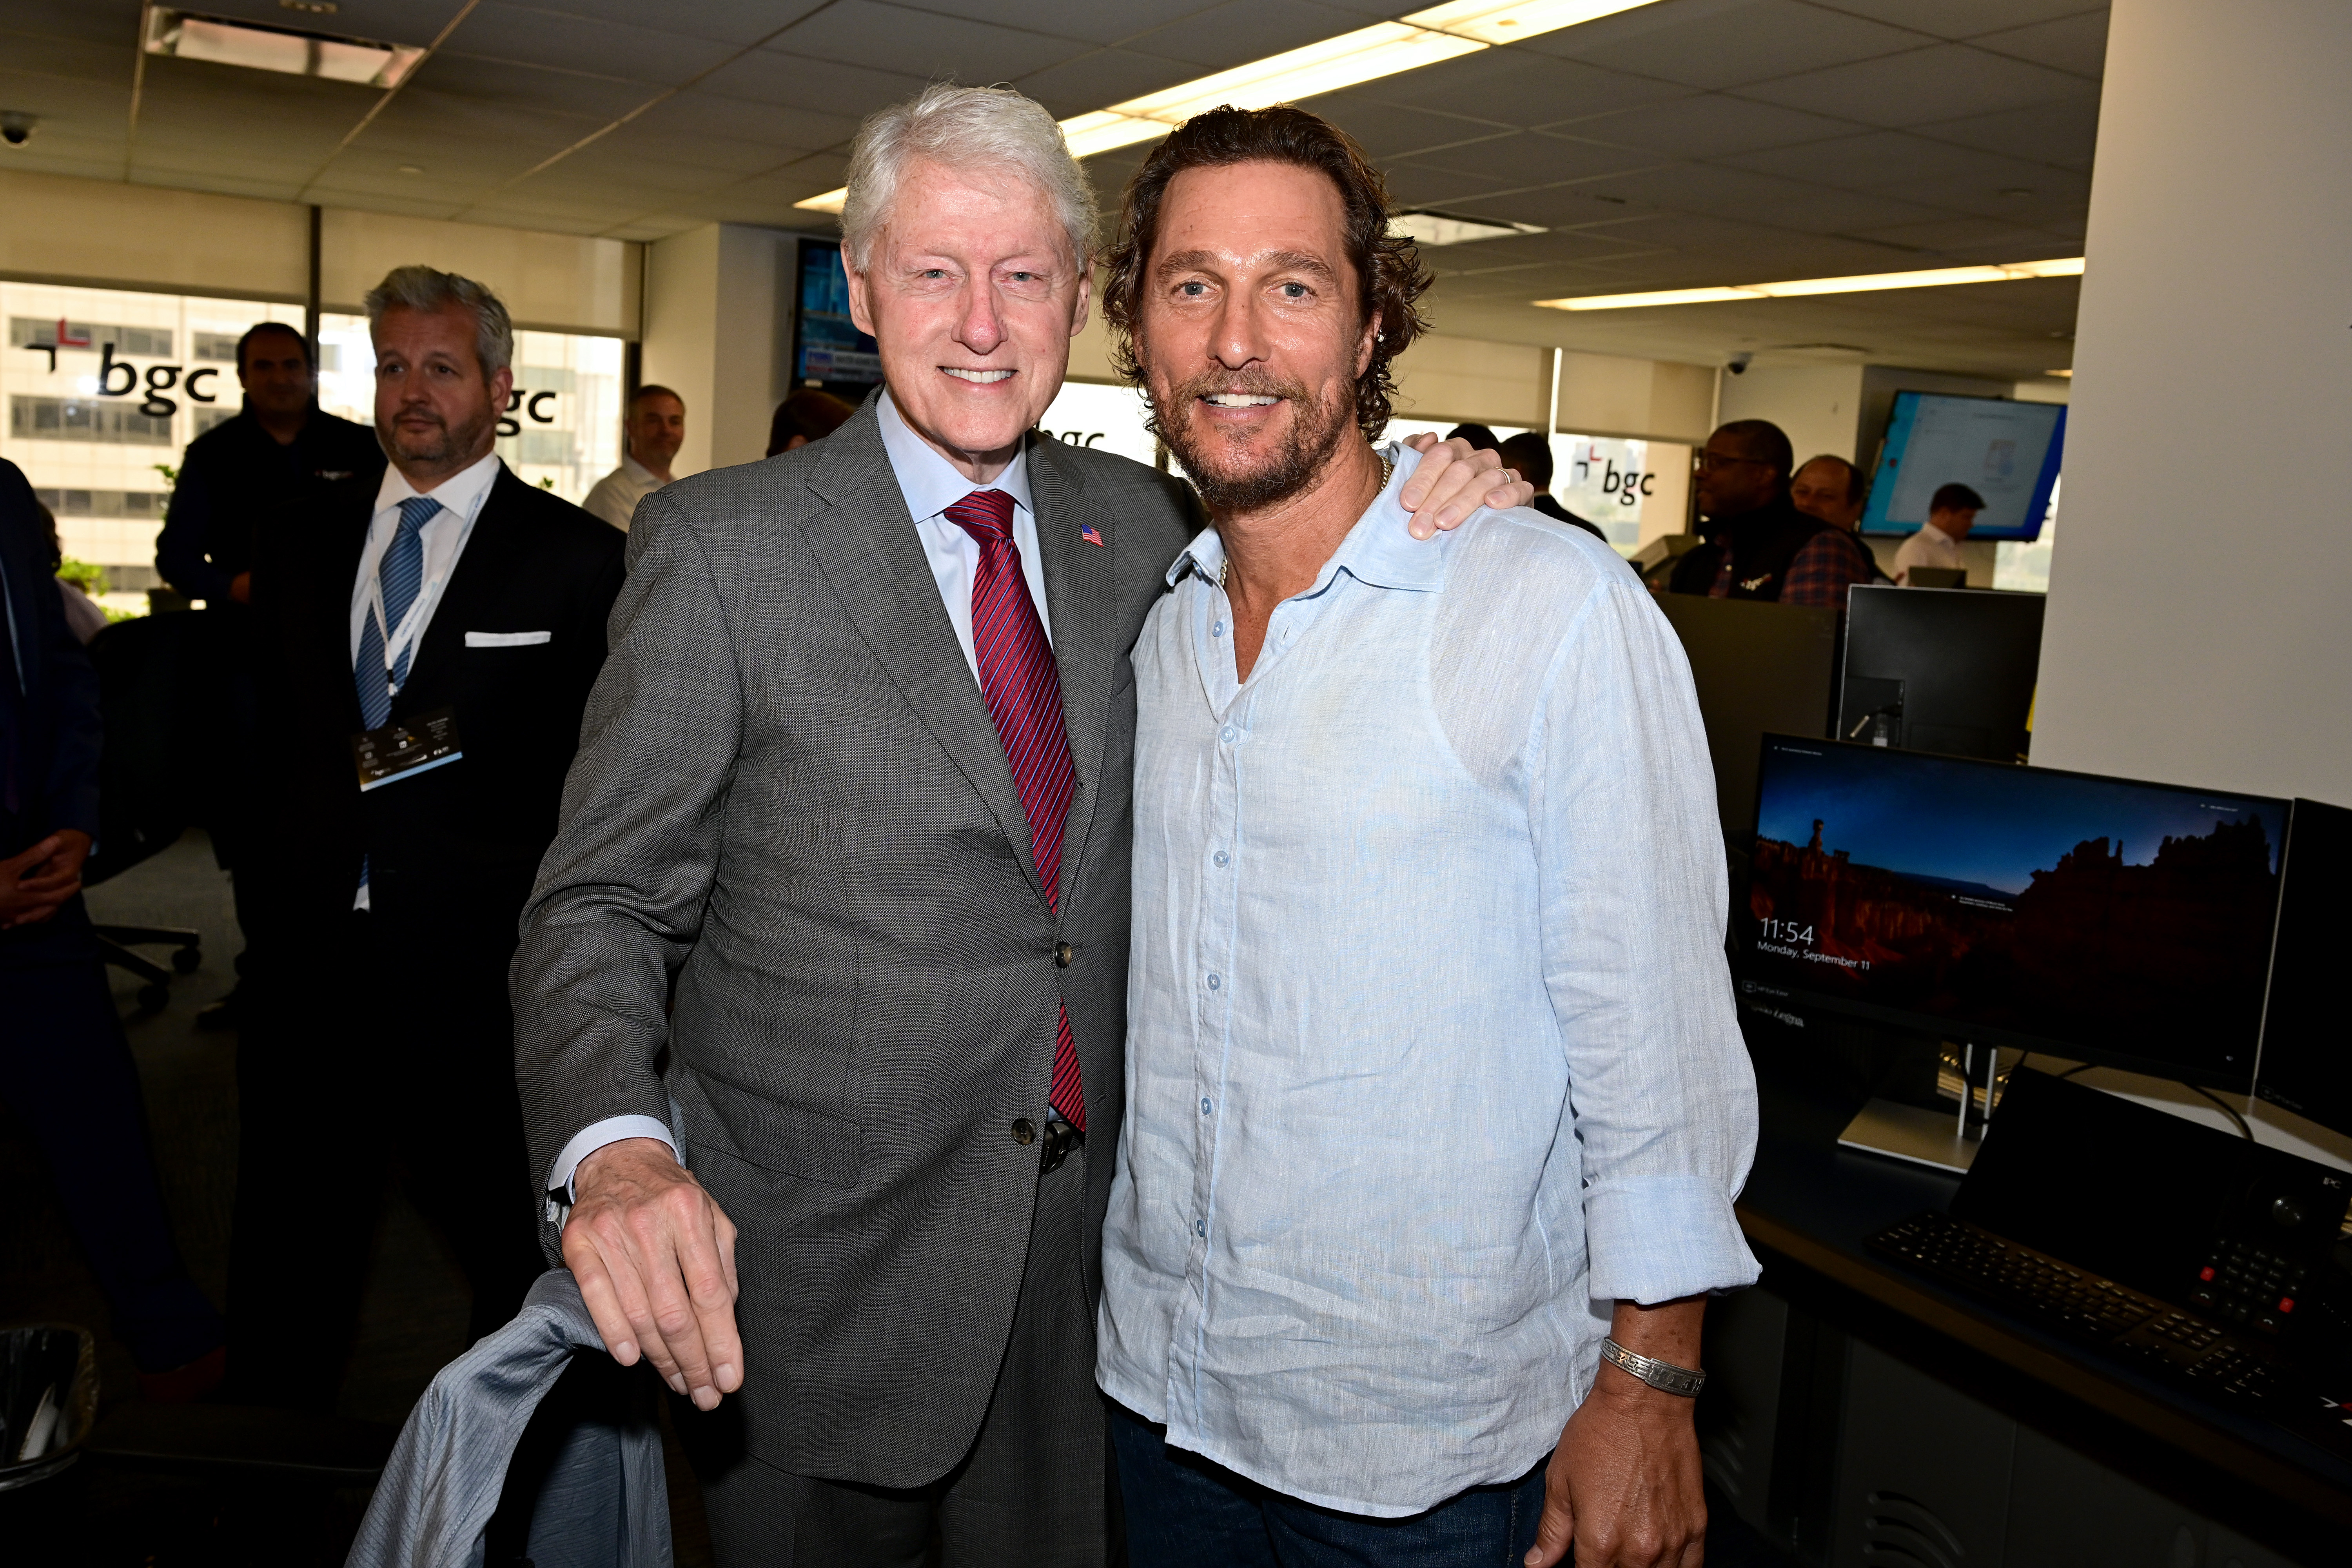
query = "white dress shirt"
x=1432 y=1055
x=444 y=537
x=930 y=484
x=1931 y=546
x=614 y=497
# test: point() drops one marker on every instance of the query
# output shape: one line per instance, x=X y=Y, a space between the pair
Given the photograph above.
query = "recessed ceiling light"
x=2061 y=374
x=1442 y=228
x=412 y=168
x=1368 y=54
x=1868 y=282
x=190 y=37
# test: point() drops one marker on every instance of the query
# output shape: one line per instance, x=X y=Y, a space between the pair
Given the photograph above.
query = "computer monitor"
x=2307 y=1055
x=829 y=352
x=1760 y=668
x=1940 y=669
x=2098 y=918
x=2005 y=451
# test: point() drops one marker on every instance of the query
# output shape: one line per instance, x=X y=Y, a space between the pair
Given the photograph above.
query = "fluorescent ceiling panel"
x=1438 y=228
x=1868 y=282
x=220 y=41
x=1368 y=54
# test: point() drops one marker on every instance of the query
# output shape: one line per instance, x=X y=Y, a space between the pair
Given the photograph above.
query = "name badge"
x=403 y=750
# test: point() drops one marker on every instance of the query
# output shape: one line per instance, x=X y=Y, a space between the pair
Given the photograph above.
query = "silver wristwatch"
x=1663 y=1376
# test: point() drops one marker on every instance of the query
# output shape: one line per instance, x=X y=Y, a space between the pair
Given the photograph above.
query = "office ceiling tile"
x=594 y=100
x=70 y=58
x=765 y=75
x=1720 y=46
x=1960 y=18
x=1099 y=78
x=2054 y=196
x=1236 y=32
x=1739 y=195
x=707 y=114
x=639 y=151
x=742 y=23
x=1708 y=126
x=1972 y=238
x=924 y=44
x=1519 y=87
x=2063 y=135
x=1529 y=158
x=1895 y=160
x=2074 y=44
x=587 y=45
x=1410 y=186
x=1925 y=85
x=213 y=184
x=101 y=21
x=1087 y=19
x=493 y=133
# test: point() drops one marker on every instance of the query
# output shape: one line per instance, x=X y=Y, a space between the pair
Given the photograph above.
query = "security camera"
x=1739 y=362
x=16 y=128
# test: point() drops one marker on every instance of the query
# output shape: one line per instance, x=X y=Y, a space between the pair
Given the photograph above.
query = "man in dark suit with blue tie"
x=424 y=645
x=65 y=1067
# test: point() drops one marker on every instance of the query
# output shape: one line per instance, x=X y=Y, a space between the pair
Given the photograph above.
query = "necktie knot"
x=415 y=512
x=983 y=515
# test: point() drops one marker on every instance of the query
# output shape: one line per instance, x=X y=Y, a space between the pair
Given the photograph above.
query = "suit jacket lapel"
x=1081 y=592
x=488 y=562
x=340 y=553
x=864 y=544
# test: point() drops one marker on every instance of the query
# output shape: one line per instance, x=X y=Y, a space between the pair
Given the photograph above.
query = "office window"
x=562 y=425
x=105 y=387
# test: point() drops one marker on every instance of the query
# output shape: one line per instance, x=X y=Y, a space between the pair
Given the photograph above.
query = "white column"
x=719 y=329
x=2200 y=608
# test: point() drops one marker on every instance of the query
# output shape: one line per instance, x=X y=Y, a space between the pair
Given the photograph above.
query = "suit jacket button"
x=1025 y=1133
x=1063 y=953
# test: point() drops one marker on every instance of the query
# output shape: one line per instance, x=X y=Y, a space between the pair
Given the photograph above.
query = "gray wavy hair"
x=418 y=288
x=970 y=128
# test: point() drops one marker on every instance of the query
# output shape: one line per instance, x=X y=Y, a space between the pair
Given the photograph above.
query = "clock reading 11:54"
x=1787 y=930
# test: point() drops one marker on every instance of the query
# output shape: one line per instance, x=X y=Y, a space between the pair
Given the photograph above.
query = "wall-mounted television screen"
x=828 y=350
x=2005 y=451
x=2098 y=919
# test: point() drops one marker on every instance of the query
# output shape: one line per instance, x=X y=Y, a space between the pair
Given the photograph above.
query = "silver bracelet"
x=1662 y=1376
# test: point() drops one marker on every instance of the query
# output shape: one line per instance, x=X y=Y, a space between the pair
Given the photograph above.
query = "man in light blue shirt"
x=1436 y=1096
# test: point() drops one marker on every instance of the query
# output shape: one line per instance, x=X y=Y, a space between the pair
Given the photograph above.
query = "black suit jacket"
x=455 y=846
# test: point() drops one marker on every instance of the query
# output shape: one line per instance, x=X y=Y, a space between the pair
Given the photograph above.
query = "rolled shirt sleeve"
x=1633 y=900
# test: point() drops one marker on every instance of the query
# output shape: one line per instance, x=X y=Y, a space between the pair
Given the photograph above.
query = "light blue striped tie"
x=400 y=573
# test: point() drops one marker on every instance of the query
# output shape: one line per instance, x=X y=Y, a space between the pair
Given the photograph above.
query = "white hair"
x=972 y=129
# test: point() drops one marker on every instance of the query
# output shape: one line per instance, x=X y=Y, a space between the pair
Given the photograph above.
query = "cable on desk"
x=2227 y=1110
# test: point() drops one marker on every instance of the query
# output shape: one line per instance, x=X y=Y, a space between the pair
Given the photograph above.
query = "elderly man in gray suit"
x=848 y=838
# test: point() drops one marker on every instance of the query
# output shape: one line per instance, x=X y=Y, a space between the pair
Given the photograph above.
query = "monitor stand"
x=1933 y=1138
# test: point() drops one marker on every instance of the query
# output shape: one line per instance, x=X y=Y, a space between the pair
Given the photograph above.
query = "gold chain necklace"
x=1388 y=471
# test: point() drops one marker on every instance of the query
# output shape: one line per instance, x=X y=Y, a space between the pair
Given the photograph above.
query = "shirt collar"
x=929 y=482
x=639 y=472
x=1378 y=550
x=457 y=493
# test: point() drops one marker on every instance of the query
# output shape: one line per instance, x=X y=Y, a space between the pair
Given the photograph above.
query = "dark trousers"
x=66 y=1072
x=1183 y=1512
x=1029 y=1491
x=373 y=1050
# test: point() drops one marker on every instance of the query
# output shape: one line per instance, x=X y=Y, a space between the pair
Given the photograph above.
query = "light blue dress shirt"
x=1432 y=1053
x=929 y=484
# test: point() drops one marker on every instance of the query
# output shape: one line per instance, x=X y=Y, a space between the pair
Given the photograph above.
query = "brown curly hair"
x=1393 y=276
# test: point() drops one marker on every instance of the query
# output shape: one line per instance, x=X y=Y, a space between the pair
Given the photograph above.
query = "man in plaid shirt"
x=1760 y=546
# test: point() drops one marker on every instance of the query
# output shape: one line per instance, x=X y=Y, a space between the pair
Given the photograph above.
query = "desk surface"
x=1811 y=1204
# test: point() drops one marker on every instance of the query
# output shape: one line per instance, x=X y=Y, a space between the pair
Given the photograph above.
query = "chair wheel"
x=187 y=960
x=153 y=998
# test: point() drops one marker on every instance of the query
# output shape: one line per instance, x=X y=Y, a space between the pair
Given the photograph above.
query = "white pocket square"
x=506 y=639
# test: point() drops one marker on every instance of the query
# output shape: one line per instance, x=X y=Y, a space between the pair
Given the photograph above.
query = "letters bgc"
x=158 y=380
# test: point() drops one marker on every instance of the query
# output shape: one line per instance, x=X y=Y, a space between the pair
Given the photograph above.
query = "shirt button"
x=1025 y=1133
x=1222 y=858
x=1218 y=630
x=1204 y=1105
x=1063 y=953
x=1228 y=735
x=1214 y=983
x=1199 y=1227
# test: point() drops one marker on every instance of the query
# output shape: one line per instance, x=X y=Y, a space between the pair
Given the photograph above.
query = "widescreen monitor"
x=1760 y=668
x=829 y=352
x=2307 y=1059
x=2005 y=451
x=2096 y=919
x=1940 y=669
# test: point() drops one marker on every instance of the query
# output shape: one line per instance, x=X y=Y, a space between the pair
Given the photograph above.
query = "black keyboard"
x=2182 y=1347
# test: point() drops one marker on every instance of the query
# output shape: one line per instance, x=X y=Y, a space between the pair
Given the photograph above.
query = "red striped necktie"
x=1023 y=690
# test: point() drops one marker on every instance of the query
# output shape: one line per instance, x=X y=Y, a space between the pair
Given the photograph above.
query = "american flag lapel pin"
x=1091 y=534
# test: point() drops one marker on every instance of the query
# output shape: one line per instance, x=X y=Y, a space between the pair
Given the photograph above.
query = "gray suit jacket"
x=792 y=816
